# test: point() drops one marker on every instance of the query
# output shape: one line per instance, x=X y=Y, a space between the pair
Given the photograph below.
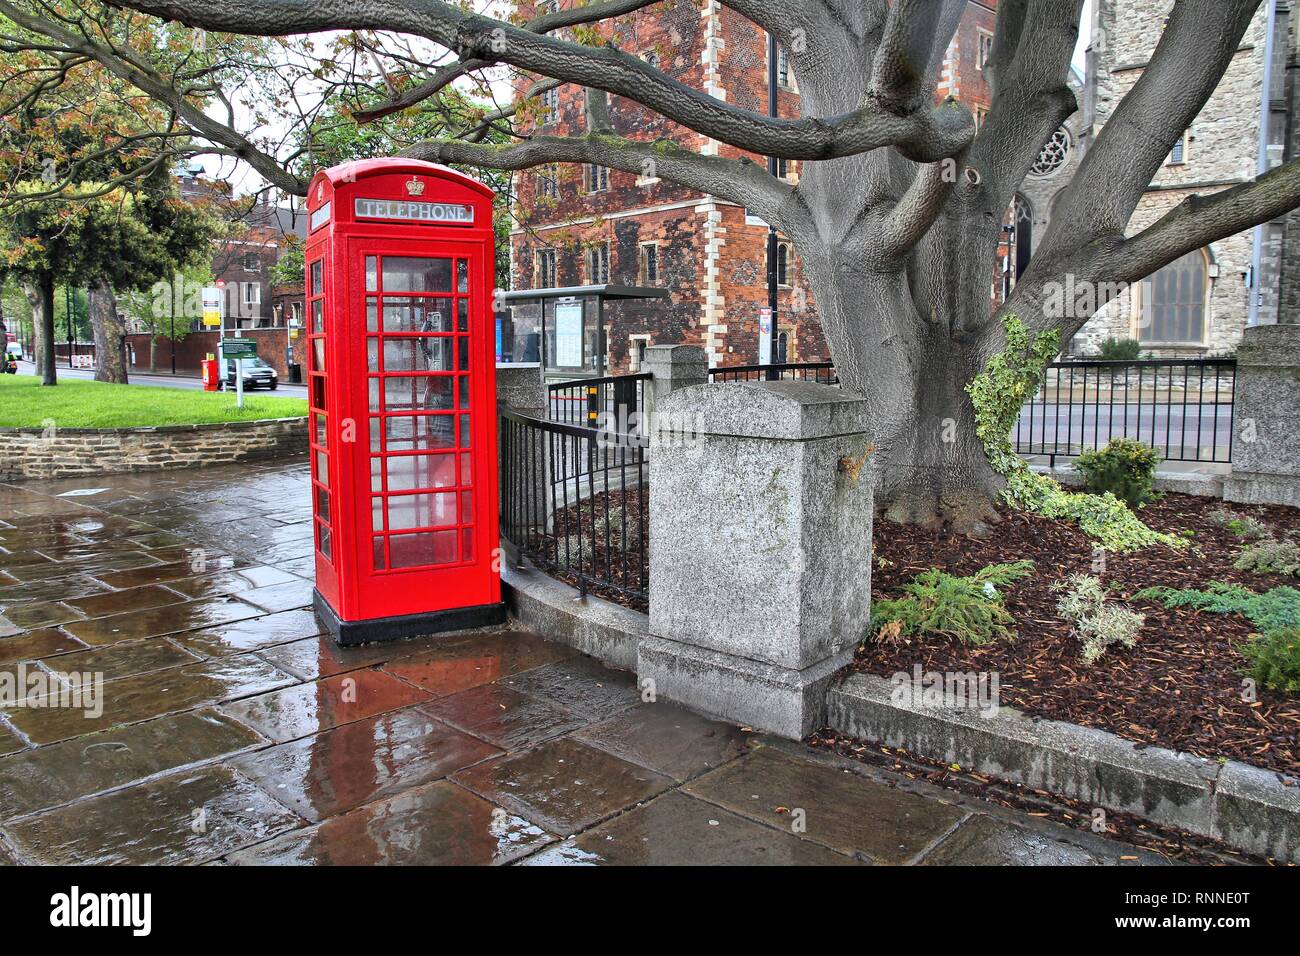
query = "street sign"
x=211 y=305
x=239 y=348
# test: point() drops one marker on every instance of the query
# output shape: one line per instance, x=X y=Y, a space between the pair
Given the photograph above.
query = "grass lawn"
x=79 y=403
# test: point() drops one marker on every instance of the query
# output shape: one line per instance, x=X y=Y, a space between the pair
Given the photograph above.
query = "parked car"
x=257 y=374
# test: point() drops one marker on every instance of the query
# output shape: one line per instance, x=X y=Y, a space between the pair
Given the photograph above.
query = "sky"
x=244 y=180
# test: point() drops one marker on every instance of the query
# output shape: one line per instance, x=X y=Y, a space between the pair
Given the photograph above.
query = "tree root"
x=965 y=512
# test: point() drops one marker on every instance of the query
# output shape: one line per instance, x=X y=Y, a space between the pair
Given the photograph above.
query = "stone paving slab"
x=504 y=717
x=450 y=668
x=190 y=817
x=231 y=582
x=333 y=772
x=582 y=684
x=49 y=776
x=122 y=660
x=143 y=696
x=563 y=784
x=840 y=809
x=49 y=614
x=34 y=645
x=984 y=841
x=133 y=599
x=669 y=739
x=435 y=825
x=677 y=830
x=154 y=622
x=251 y=634
x=305 y=709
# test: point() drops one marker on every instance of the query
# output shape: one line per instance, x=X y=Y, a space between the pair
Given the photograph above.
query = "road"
x=1164 y=427
x=146 y=378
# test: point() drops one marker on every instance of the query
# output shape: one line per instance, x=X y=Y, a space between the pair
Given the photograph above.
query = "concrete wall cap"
x=1272 y=346
x=789 y=411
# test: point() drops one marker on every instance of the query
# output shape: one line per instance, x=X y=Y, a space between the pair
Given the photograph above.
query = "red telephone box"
x=401 y=386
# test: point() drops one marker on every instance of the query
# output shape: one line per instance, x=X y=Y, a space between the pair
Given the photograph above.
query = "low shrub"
x=1119 y=350
x=1097 y=624
x=1275 y=659
x=1270 y=556
x=1276 y=608
x=968 y=608
x=1125 y=467
x=1243 y=526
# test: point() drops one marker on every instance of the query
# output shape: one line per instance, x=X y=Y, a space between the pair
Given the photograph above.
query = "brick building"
x=583 y=225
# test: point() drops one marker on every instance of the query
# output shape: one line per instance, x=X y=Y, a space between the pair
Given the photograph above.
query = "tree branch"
x=738 y=180
x=1199 y=220
x=916 y=210
x=924 y=135
x=906 y=63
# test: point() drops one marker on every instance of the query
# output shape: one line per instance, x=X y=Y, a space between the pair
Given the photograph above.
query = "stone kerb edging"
x=1253 y=810
x=75 y=452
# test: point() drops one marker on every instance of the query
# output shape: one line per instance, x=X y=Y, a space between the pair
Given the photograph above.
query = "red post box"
x=401 y=387
x=208 y=369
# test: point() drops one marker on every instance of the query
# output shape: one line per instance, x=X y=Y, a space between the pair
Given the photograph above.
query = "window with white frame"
x=252 y=293
x=1178 y=155
x=252 y=263
x=783 y=255
x=637 y=344
x=597 y=178
x=783 y=168
x=649 y=270
x=782 y=67
x=984 y=53
x=1172 y=302
x=546 y=275
x=598 y=263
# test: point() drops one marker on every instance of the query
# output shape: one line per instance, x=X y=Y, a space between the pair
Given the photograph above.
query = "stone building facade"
x=579 y=225
x=1200 y=304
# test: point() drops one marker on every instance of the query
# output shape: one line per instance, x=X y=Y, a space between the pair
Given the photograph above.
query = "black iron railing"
x=822 y=372
x=575 y=501
x=1182 y=409
x=581 y=402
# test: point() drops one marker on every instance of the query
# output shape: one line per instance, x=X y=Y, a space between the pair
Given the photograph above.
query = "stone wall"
x=72 y=452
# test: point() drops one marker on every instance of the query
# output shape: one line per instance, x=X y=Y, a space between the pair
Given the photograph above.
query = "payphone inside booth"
x=401 y=392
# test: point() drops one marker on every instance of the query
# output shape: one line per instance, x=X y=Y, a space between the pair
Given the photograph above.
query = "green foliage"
x=1119 y=350
x=1097 y=624
x=1275 y=659
x=1276 y=608
x=1270 y=556
x=1125 y=467
x=1243 y=526
x=998 y=393
x=967 y=608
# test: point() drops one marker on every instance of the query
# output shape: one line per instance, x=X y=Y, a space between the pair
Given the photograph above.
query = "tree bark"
x=40 y=296
x=110 y=334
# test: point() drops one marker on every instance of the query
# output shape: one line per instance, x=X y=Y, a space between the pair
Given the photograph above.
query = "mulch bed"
x=1180 y=687
x=598 y=546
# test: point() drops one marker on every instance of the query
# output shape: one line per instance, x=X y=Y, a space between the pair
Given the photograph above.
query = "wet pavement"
x=229 y=730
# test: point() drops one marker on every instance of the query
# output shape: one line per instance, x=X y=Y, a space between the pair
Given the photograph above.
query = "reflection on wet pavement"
x=233 y=731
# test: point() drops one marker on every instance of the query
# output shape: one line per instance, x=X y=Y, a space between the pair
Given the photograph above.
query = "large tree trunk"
x=929 y=466
x=110 y=334
x=40 y=296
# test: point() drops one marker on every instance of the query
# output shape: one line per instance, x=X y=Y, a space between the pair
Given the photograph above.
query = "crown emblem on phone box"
x=414 y=187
